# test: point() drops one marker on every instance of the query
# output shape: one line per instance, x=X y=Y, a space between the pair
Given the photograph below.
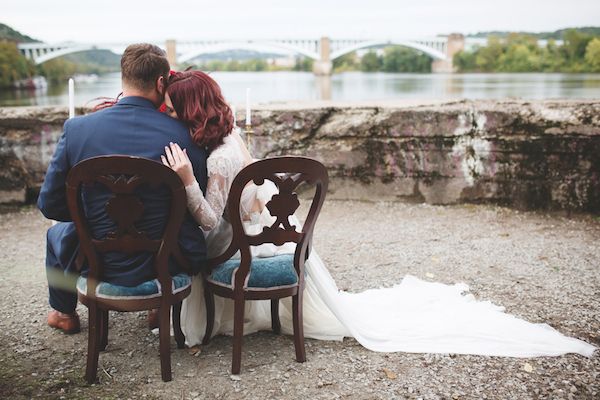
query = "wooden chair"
x=273 y=277
x=122 y=176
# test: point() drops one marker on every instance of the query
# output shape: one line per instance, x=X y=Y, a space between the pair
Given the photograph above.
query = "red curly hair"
x=198 y=101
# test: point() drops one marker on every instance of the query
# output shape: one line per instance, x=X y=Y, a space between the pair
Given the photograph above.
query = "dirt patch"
x=542 y=267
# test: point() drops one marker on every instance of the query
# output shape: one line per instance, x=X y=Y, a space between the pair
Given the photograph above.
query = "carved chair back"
x=288 y=174
x=123 y=177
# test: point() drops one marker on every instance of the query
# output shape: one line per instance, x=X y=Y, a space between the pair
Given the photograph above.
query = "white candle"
x=71 y=98
x=248 y=121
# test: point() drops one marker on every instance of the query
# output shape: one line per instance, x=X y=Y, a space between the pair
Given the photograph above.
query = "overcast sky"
x=131 y=20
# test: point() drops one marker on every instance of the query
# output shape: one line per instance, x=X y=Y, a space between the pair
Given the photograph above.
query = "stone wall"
x=28 y=137
x=528 y=155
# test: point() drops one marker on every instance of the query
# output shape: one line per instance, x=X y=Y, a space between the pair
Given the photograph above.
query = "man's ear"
x=160 y=85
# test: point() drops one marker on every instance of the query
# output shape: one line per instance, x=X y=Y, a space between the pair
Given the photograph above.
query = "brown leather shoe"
x=68 y=323
x=153 y=319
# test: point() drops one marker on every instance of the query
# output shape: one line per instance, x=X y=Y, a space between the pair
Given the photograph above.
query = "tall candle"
x=248 y=121
x=71 y=98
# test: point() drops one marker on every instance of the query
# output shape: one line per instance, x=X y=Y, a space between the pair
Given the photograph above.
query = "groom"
x=133 y=127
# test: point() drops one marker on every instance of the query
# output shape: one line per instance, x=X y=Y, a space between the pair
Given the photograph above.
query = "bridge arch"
x=433 y=53
x=67 y=50
x=263 y=47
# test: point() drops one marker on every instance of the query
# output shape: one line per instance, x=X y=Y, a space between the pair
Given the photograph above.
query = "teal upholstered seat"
x=145 y=290
x=266 y=272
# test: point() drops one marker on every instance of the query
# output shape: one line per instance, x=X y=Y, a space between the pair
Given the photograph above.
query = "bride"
x=414 y=316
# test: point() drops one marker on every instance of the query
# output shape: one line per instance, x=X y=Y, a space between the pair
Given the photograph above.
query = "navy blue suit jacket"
x=132 y=127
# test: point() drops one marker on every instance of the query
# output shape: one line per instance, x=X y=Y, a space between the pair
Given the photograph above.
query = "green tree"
x=57 y=70
x=526 y=40
x=402 y=59
x=464 y=61
x=347 y=62
x=519 y=58
x=303 y=64
x=576 y=44
x=552 y=57
x=13 y=66
x=486 y=58
x=233 y=65
x=370 y=62
x=255 y=65
x=215 y=65
x=592 y=55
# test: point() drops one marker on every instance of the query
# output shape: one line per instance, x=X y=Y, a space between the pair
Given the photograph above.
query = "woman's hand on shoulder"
x=178 y=160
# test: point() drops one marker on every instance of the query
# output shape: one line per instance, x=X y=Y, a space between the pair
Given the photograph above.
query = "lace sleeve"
x=207 y=210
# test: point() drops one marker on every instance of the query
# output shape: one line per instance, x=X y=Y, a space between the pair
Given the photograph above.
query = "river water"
x=275 y=87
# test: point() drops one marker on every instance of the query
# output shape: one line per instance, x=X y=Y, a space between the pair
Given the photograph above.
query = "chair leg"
x=164 y=333
x=103 y=342
x=179 y=337
x=275 y=324
x=209 y=300
x=298 y=327
x=238 y=333
x=91 y=368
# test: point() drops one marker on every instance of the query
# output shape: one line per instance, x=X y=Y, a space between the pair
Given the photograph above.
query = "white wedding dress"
x=414 y=316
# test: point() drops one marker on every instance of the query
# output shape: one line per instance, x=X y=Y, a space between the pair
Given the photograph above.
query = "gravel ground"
x=542 y=267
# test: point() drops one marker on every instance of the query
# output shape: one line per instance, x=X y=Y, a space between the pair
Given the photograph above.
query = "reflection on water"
x=350 y=86
x=324 y=85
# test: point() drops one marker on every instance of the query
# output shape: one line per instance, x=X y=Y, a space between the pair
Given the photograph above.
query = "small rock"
x=390 y=374
x=195 y=351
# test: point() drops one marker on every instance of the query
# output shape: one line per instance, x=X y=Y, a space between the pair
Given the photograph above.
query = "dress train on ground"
x=413 y=316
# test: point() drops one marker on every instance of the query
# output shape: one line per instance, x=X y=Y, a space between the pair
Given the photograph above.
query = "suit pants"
x=61 y=271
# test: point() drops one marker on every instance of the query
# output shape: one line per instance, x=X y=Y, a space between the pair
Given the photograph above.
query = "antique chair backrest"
x=287 y=173
x=122 y=177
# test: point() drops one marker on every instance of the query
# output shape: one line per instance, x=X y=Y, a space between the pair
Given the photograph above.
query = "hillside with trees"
x=10 y=35
x=579 y=52
x=15 y=67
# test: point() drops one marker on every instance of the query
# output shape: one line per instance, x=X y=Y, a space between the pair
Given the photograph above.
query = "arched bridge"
x=436 y=48
x=323 y=51
x=42 y=52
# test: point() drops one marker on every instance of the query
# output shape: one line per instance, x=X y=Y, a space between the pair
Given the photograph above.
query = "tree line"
x=579 y=52
x=251 y=65
x=392 y=59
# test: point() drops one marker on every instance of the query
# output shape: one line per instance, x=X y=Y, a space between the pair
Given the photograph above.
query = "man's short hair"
x=142 y=64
